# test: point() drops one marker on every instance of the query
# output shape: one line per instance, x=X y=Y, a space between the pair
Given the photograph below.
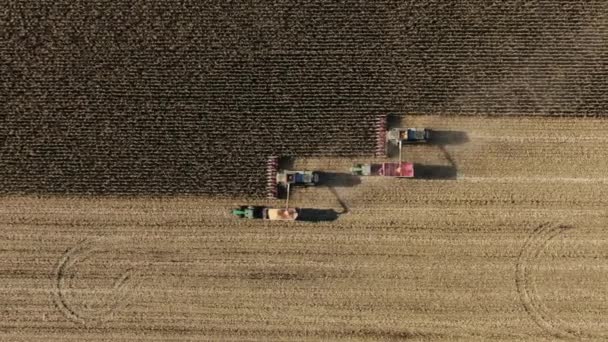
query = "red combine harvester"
x=392 y=169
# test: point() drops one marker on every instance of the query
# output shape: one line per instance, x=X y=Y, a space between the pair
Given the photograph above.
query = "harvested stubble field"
x=513 y=248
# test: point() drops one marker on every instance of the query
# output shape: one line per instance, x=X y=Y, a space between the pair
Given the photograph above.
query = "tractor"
x=266 y=213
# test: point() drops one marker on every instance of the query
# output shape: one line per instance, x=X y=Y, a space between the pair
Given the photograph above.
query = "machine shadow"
x=423 y=171
x=439 y=137
x=338 y=179
x=394 y=121
x=317 y=215
x=392 y=150
x=286 y=163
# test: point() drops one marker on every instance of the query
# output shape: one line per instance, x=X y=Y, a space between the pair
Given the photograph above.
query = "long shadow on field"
x=324 y=215
x=338 y=179
x=317 y=215
x=448 y=137
x=422 y=171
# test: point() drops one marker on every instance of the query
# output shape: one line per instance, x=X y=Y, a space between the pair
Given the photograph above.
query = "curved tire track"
x=64 y=276
x=527 y=288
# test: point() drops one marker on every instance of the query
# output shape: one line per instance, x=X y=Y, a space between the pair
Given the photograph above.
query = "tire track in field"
x=532 y=179
x=528 y=290
x=541 y=139
x=112 y=299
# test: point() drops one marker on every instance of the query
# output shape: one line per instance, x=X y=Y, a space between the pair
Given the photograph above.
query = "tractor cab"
x=249 y=212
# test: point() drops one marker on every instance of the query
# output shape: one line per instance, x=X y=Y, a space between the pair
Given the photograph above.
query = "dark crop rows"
x=193 y=96
x=200 y=153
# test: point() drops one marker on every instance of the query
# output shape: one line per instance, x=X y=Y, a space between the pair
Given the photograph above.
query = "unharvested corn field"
x=165 y=97
x=513 y=247
x=218 y=155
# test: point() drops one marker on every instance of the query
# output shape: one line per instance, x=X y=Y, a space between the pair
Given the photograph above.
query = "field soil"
x=503 y=238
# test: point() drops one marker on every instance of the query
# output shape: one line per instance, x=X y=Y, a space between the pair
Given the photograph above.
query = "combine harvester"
x=397 y=137
x=304 y=178
x=284 y=178
x=408 y=135
x=401 y=136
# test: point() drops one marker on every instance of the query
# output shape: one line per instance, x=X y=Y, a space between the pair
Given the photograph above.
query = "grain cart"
x=399 y=136
x=398 y=170
x=266 y=213
x=281 y=214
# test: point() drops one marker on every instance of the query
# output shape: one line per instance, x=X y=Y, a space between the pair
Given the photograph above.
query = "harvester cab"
x=306 y=178
x=408 y=135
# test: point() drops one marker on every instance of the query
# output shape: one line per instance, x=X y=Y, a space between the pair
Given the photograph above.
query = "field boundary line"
x=548 y=139
x=506 y=116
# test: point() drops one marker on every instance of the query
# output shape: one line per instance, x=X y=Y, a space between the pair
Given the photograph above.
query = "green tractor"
x=266 y=213
x=249 y=212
